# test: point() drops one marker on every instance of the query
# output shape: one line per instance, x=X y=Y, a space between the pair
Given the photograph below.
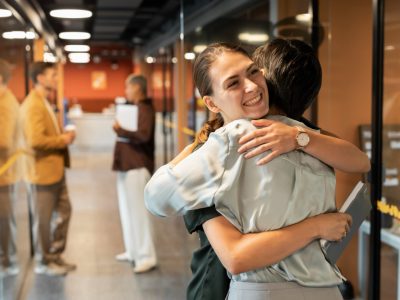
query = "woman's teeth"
x=252 y=101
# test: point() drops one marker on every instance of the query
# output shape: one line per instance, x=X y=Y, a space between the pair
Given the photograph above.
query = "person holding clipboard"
x=134 y=162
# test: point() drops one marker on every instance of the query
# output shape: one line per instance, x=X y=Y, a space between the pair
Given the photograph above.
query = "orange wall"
x=78 y=81
x=345 y=97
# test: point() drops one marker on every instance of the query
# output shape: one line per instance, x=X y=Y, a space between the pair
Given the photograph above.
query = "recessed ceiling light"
x=71 y=13
x=77 y=48
x=4 y=13
x=190 y=55
x=79 y=57
x=19 y=35
x=304 y=17
x=199 y=48
x=389 y=47
x=253 y=37
x=74 y=35
x=150 y=60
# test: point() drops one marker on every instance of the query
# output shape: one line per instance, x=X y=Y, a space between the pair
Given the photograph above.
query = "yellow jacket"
x=43 y=136
x=9 y=107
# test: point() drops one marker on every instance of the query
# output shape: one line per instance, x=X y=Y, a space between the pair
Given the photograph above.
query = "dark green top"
x=210 y=280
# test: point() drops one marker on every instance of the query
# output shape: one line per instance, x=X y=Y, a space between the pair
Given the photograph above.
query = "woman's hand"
x=272 y=135
x=332 y=226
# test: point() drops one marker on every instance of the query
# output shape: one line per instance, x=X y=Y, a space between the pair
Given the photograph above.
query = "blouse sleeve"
x=192 y=183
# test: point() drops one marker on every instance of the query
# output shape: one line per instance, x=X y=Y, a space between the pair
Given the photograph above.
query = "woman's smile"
x=253 y=101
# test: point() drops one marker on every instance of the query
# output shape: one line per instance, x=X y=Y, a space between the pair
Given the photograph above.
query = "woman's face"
x=239 y=88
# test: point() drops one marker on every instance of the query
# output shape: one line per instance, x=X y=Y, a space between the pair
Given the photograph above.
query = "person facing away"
x=9 y=111
x=50 y=203
x=253 y=199
x=134 y=162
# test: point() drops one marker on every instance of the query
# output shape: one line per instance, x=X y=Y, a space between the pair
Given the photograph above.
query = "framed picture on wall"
x=99 y=80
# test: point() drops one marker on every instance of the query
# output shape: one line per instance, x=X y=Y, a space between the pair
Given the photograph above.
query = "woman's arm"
x=240 y=252
x=280 y=138
x=190 y=181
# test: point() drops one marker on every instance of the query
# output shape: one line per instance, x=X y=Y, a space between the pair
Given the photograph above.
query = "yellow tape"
x=185 y=130
x=389 y=209
x=11 y=161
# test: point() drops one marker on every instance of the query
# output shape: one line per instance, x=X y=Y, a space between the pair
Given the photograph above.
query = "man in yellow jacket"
x=50 y=204
x=9 y=108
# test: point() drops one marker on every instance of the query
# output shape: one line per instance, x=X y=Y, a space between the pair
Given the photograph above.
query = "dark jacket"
x=138 y=150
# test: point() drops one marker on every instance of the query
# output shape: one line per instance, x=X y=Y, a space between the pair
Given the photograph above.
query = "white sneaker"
x=123 y=257
x=11 y=270
x=50 y=269
x=144 y=267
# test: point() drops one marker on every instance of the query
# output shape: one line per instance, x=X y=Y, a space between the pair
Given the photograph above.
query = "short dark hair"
x=38 y=68
x=293 y=74
x=5 y=71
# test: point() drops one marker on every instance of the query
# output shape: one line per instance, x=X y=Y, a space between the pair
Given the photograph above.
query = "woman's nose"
x=249 y=85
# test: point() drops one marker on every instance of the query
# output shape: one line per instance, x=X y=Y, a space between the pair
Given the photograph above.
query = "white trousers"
x=136 y=227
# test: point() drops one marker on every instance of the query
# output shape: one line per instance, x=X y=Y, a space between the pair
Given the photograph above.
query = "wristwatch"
x=302 y=138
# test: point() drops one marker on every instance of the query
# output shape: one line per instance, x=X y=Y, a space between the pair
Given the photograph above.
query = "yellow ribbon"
x=185 y=130
x=12 y=160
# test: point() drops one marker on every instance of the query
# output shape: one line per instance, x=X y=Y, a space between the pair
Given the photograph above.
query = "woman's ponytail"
x=208 y=127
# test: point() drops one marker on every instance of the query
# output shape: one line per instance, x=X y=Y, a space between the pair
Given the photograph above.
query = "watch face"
x=303 y=139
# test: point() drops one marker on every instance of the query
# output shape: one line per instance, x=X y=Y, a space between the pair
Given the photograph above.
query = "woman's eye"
x=254 y=71
x=233 y=83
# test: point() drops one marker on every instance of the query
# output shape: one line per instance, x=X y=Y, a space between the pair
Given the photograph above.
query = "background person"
x=50 y=204
x=134 y=162
x=9 y=111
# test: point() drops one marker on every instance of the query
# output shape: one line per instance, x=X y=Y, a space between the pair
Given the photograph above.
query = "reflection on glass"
x=14 y=232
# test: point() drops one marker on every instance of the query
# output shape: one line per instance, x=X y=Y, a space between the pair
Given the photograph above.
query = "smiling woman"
x=252 y=198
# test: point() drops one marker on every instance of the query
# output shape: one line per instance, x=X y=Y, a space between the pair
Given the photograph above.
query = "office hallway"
x=95 y=238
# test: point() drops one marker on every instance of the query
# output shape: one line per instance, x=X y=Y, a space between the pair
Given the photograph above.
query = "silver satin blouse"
x=290 y=188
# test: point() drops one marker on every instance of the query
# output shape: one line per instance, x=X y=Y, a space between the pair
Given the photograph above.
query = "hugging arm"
x=190 y=181
x=240 y=252
x=280 y=138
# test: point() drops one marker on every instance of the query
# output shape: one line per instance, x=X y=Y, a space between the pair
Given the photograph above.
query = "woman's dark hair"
x=38 y=68
x=202 y=80
x=293 y=74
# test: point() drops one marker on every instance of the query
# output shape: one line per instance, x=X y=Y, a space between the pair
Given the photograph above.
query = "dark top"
x=138 y=150
x=210 y=280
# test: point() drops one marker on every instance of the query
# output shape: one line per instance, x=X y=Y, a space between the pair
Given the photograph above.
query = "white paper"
x=127 y=116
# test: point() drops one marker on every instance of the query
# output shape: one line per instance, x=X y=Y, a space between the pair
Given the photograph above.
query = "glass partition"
x=15 y=47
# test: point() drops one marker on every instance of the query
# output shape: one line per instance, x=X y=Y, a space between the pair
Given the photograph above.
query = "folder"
x=127 y=116
x=358 y=205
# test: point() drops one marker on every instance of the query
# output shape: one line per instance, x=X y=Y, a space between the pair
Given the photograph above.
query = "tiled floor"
x=95 y=238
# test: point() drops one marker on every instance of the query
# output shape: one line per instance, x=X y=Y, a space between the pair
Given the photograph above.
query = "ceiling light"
x=71 y=13
x=150 y=60
x=4 y=13
x=30 y=35
x=190 y=55
x=79 y=57
x=304 y=17
x=74 y=35
x=389 y=47
x=174 y=60
x=253 y=37
x=49 y=57
x=19 y=35
x=77 y=48
x=199 y=48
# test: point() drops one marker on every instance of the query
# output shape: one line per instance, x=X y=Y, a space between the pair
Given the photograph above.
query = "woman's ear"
x=208 y=100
